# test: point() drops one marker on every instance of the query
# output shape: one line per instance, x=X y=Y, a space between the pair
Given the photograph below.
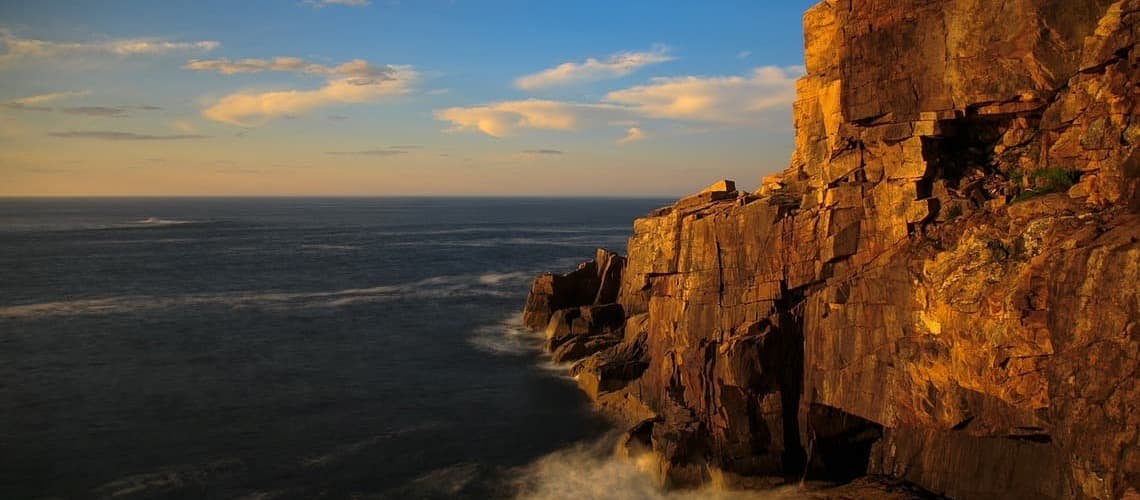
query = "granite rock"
x=943 y=288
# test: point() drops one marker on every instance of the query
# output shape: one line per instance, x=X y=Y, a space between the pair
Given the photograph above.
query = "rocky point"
x=942 y=289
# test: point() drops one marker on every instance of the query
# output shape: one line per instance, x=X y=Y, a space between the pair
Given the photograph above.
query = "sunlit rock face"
x=943 y=287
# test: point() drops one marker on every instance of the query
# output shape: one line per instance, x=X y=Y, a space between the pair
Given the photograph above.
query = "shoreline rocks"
x=943 y=288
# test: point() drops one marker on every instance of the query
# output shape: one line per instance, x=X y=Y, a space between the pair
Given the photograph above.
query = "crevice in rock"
x=790 y=336
x=841 y=443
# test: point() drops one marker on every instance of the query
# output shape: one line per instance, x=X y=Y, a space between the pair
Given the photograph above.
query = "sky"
x=394 y=97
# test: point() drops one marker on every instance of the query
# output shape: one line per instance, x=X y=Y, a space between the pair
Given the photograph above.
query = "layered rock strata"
x=942 y=288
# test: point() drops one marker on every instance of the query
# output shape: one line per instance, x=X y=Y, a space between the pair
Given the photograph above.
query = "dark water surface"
x=283 y=348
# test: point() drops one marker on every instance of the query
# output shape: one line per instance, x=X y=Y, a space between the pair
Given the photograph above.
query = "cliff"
x=943 y=288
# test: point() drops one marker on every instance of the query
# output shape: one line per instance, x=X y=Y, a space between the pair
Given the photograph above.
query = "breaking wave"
x=592 y=470
x=506 y=338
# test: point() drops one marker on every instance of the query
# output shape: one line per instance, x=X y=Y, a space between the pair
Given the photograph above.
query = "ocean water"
x=287 y=348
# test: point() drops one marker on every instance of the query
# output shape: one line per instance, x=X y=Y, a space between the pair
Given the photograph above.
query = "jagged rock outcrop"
x=943 y=287
x=594 y=282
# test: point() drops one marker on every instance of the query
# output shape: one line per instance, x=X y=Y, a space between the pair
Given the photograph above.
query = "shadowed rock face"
x=943 y=287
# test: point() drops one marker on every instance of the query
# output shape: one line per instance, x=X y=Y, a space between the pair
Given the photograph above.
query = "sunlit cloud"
x=356 y=68
x=634 y=134
x=507 y=118
x=721 y=99
x=36 y=102
x=763 y=96
x=184 y=126
x=17 y=48
x=592 y=70
x=353 y=82
x=110 y=135
x=537 y=154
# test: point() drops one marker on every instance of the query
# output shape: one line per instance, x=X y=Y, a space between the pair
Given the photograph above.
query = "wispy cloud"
x=744 y=54
x=720 y=99
x=36 y=102
x=356 y=81
x=17 y=48
x=761 y=97
x=634 y=134
x=184 y=126
x=368 y=152
x=542 y=152
x=592 y=70
x=100 y=111
x=110 y=135
x=317 y=4
x=507 y=118
x=360 y=70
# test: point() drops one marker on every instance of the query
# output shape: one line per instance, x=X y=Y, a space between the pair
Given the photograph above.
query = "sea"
x=279 y=348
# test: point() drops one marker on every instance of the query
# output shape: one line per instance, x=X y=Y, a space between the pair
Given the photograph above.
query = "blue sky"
x=384 y=97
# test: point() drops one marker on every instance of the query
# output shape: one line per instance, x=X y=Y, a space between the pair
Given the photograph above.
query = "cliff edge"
x=943 y=288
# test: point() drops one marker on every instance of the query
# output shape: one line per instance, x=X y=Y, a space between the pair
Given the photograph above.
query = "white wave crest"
x=506 y=338
x=158 y=221
x=592 y=470
x=470 y=285
x=501 y=278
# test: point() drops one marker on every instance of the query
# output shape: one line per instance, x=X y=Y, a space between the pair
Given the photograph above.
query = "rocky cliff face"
x=942 y=288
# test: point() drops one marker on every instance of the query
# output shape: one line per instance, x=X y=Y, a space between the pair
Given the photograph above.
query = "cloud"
x=100 y=111
x=358 y=69
x=184 y=126
x=317 y=4
x=17 y=48
x=368 y=152
x=542 y=152
x=592 y=70
x=109 y=135
x=503 y=119
x=34 y=102
x=724 y=99
x=743 y=54
x=634 y=134
x=356 y=81
x=761 y=97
